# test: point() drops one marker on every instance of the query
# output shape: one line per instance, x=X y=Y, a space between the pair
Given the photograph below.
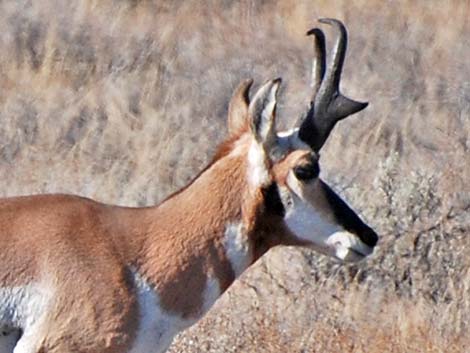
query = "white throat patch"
x=237 y=247
x=157 y=327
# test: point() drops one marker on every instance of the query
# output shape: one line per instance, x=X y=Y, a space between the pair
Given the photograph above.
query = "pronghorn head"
x=285 y=166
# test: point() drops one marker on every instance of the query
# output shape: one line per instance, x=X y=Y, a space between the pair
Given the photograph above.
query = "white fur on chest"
x=157 y=327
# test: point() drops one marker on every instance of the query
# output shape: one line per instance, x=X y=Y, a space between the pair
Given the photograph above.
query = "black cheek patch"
x=272 y=201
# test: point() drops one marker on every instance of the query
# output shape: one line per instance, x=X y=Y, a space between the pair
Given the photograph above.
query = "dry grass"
x=124 y=101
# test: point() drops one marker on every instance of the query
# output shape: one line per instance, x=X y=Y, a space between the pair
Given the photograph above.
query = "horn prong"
x=327 y=105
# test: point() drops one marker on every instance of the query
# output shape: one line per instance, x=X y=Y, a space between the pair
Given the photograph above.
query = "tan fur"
x=85 y=253
x=62 y=242
x=85 y=250
x=238 y=108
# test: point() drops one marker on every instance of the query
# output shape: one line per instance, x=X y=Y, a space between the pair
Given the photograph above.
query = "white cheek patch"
x=305 y=222
x=309 y=225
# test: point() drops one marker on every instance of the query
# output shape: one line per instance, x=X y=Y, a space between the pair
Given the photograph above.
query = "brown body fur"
x=87 y=255
x=63 y=243
x=85 y=251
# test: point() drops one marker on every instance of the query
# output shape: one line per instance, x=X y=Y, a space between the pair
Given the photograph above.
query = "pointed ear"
x=238 y=108
x=262 y=114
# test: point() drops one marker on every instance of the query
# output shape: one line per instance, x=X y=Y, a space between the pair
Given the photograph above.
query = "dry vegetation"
x=124 y=101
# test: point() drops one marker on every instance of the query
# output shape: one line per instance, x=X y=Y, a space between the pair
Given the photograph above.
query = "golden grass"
x=124 y=101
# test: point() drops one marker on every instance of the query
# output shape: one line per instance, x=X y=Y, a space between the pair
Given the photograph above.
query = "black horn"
x=327 y=105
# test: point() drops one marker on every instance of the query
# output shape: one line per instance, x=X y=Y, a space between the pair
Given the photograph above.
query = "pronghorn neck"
x=207 y=234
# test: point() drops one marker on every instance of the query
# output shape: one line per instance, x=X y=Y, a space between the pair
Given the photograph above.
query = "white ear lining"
x=262 y=111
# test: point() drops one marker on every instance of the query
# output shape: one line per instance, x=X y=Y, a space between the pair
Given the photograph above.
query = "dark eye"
x=307 y=171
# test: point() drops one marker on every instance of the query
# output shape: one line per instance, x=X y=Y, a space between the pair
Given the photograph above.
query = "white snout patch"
x=348 y=247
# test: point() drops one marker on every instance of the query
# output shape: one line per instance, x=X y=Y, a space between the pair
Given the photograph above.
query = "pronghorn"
x=81 y=276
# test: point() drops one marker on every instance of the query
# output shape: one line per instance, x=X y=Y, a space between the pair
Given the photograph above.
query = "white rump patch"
x=237 y=247
x=258 y=174
x=23 y=306
x=157 y=327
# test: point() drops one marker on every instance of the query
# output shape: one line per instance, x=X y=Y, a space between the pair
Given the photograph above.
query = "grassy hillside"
x=124 y=101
